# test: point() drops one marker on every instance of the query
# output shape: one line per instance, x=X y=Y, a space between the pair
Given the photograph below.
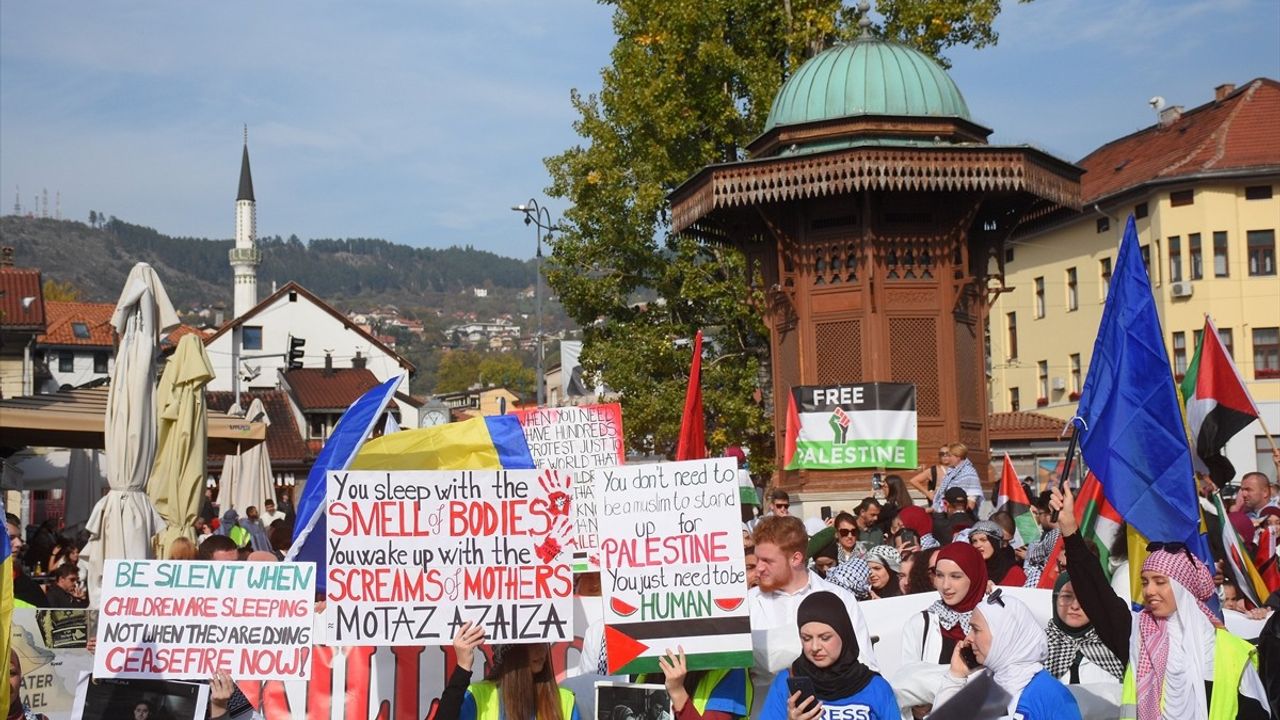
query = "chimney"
x=328 y=364
x=359 y=361
x=1170 y=115
x=1221 y=92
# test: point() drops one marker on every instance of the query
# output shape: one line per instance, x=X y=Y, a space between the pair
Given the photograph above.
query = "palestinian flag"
x=1099 y=523
x=1216 y=403
x=1013 y=498
x=861 y=425
x=1239 y=564
x=709 y=642
x=1267 y=559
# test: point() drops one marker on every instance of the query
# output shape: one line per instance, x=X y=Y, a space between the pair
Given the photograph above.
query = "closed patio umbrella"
x=246 y=476
x=177 y=478
x=124 y=520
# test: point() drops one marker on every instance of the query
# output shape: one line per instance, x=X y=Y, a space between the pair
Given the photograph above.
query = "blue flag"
x=339 y=450
x=1131 y=433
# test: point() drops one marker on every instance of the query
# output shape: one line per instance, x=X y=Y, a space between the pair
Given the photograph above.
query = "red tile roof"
x=60 y=319
x=284 y=442
x=170 y=342
x=15 y=285
x=320 y=389
x=1238 y=133
x=1023 y=426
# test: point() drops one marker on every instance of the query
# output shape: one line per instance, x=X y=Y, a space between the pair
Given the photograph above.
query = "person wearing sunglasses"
x=1180 y=662
x=1005 y=638
x=929 y=637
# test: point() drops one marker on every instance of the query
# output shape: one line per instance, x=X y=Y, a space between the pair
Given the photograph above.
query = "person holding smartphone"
x=828 y=676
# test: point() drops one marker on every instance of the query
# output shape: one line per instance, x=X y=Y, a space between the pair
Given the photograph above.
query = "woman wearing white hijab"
x=1006 y=639
x=1181 y=664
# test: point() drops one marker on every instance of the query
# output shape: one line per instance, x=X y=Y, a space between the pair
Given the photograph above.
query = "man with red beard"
x=785 y=581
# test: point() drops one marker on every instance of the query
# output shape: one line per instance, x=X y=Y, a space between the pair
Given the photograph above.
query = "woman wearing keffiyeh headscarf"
x=929 y=637
x=1181 y=664
x=1006 y=639
x=1076 y=653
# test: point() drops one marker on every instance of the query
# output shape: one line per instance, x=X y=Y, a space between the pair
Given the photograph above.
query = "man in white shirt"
x=784 y=581
x=270 y=514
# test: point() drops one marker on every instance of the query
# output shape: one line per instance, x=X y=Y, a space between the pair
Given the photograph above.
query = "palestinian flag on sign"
x=1099 y=523
x=1013 y=498
x=1216 y=402
x=708 y=642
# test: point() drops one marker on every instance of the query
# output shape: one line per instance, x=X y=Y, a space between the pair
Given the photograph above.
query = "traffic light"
x=296 y=352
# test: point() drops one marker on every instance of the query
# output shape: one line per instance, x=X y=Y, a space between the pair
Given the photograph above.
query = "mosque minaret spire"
x=245 y=256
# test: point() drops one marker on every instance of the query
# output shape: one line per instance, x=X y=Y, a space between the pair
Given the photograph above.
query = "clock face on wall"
x=434 y=416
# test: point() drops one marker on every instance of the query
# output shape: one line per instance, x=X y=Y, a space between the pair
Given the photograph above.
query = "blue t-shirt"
x=873 y=702
x=1046 y=698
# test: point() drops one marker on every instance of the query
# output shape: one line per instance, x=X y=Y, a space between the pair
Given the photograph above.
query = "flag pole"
x=1066 y=464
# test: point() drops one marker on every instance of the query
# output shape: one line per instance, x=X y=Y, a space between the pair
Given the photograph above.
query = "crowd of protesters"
x=1172 y=658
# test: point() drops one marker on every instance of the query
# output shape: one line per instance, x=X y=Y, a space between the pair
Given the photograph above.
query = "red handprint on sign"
x=556 y=538
x=556 y=487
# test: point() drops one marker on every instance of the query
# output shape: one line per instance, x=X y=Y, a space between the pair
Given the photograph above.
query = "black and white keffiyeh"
x=949 y=617
x=1064 y=649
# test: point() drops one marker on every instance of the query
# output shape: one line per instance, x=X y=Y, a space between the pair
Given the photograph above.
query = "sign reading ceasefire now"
x=173 y=619
x=414 y=555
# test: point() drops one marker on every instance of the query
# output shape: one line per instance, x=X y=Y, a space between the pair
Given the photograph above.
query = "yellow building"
x=1202 y=185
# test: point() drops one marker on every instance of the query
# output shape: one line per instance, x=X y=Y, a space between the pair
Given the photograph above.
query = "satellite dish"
x=1157 y=103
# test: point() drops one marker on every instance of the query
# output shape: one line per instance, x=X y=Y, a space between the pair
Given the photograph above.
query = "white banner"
x=414 y=555
x=174 y=619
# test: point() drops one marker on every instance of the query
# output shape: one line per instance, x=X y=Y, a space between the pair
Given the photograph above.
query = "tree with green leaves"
x=691 y=84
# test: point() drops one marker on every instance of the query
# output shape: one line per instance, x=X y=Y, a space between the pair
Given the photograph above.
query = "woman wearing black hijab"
x=829 y=663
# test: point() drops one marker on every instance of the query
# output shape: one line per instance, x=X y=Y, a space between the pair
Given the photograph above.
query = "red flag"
x=693 y=433
x=1013 y=498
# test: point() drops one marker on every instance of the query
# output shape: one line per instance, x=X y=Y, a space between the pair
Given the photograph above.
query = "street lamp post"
x=535 y=214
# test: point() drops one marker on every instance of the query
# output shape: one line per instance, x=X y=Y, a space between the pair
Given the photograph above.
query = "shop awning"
x=74 y=419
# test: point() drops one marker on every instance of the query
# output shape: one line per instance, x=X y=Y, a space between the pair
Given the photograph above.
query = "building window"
x=66 y=362
x=1178 y=198
x=1104 y=273
x=1015 y=402
x=1262 y=451
x=1179 y=354
x=80 y=330
x=100 y=363
x=1073 y=291
x=1008 y=254
x=1220 y=254
x=1266 y=353
x=1224 y=335
x=1013 y=335
x=1197 y=258
x=251 y=337
x=1104 y=224
x=1075 y=372
x=1042 y=370
x=1139 y=211
x=316 y=427
x=1146 y=258
x=1262 y=252
x=1257 y=192
x=1175 y=258
x=1039 y=297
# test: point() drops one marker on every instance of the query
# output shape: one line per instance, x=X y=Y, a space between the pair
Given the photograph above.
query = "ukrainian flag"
x=6 y=610
x=486 y=443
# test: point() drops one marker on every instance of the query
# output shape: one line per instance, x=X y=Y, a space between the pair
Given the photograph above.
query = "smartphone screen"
x=802 y=685
x=966 y=654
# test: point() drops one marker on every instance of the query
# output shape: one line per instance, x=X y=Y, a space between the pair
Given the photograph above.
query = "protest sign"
x=50 y=666
x=174 y=619
x=671 y=549
x=632 y=701
x=414 y=555
x=577 y=437
x=862 y=425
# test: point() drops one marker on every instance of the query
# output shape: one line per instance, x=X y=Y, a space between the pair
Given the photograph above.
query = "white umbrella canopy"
x=123 y=521
x=246 y=476
x=182 y=451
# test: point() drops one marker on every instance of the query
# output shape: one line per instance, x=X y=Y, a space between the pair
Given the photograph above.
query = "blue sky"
x=422 y=123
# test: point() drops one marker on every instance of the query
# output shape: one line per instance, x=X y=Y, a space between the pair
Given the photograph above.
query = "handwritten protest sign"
x=173 y=619
x=579 y=437
x=414 y=555
x=671 y=548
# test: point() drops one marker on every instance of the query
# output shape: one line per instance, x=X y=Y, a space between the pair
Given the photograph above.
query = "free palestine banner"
x=860 y=425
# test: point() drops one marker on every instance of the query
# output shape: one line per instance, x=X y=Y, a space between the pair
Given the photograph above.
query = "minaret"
x=245 y=256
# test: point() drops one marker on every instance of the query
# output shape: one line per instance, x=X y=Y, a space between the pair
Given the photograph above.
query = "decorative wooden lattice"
x=913 y=358
x=967 y=390
x=838 y=347
x=834 y=263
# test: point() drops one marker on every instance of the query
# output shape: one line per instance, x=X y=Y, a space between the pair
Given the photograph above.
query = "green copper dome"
x=866 y=77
